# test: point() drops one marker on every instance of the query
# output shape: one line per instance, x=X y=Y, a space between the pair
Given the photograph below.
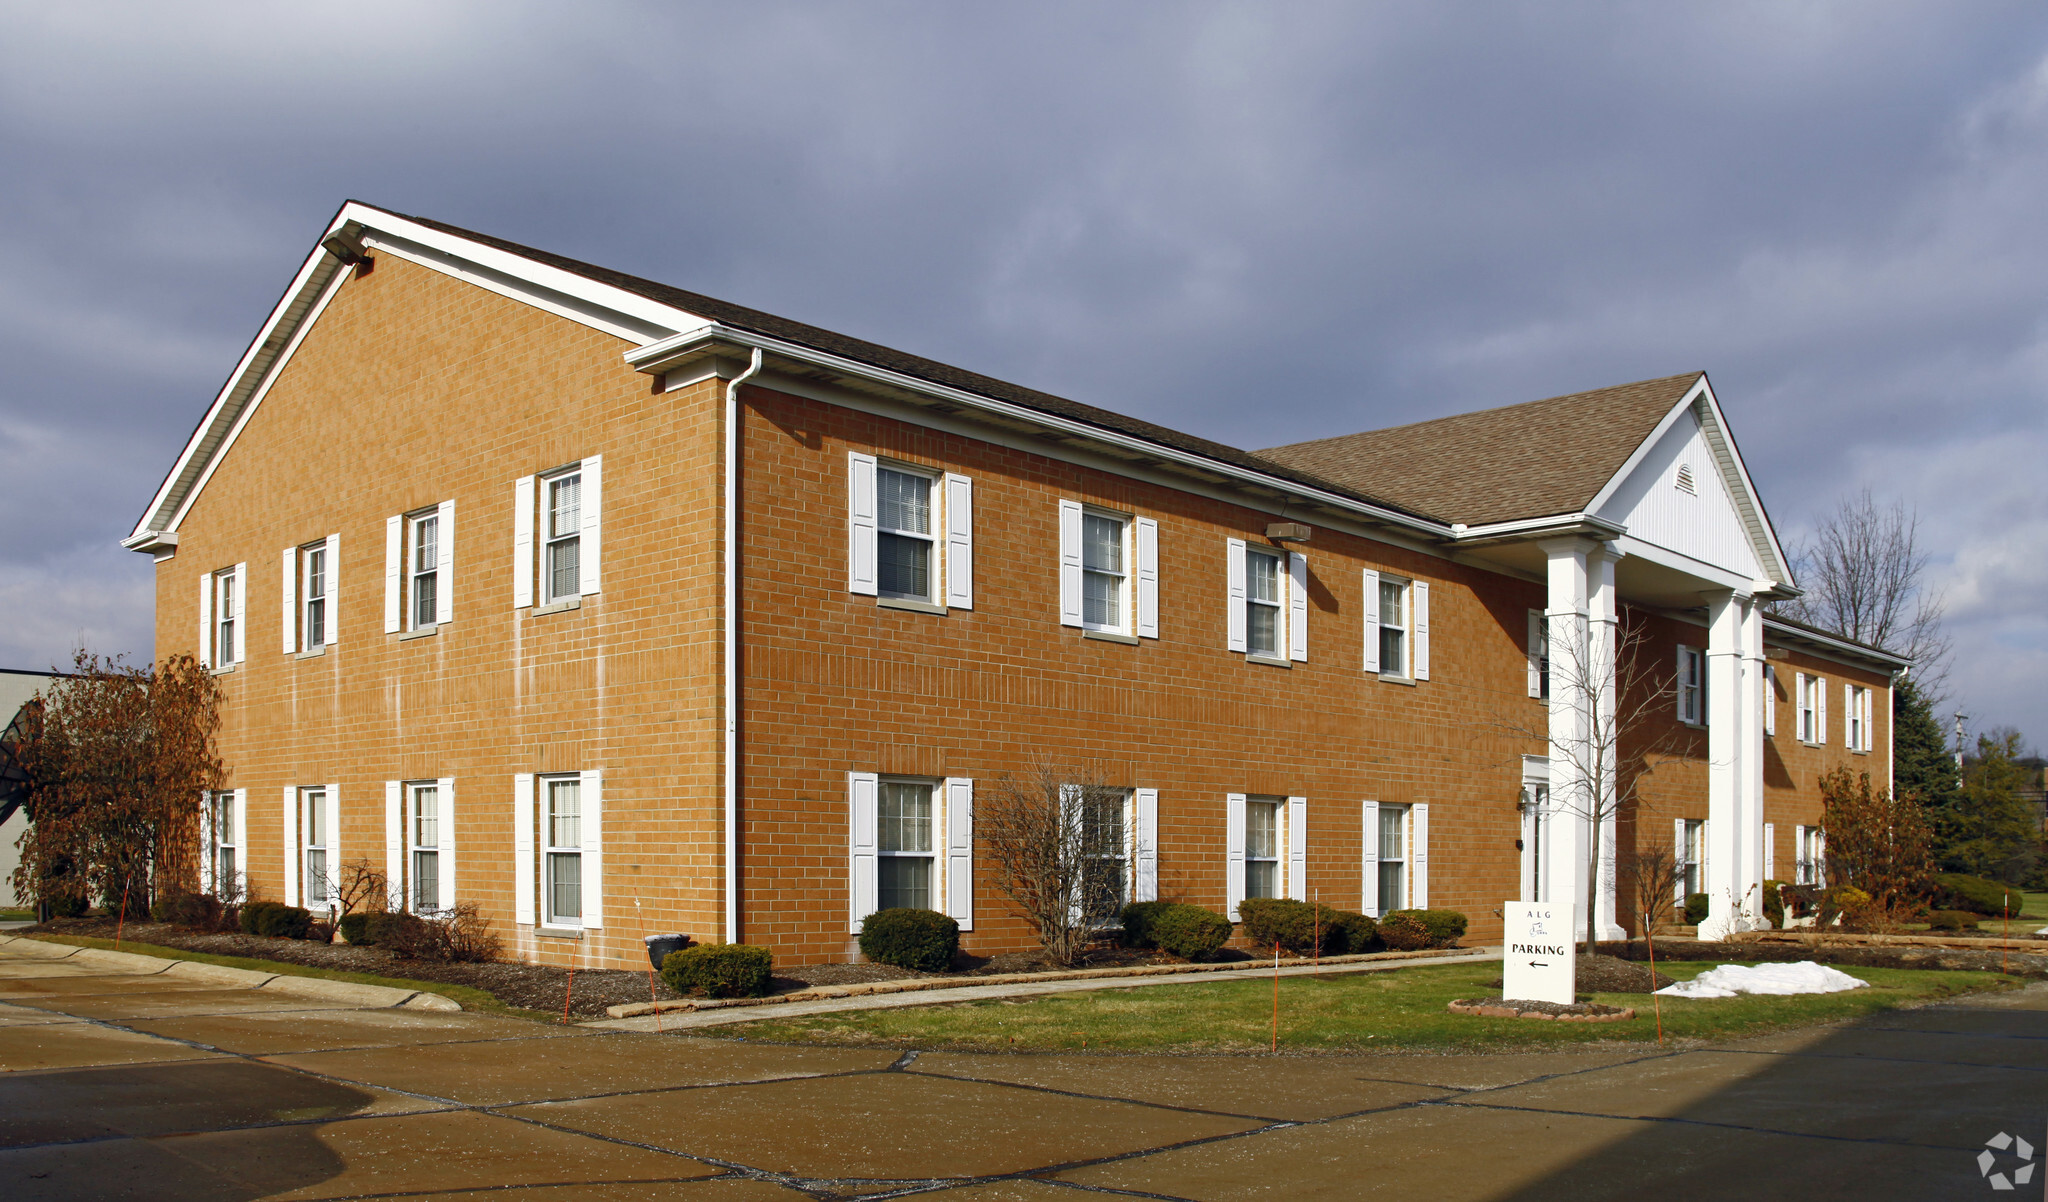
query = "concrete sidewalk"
x=679 y=1018
x=132 y=964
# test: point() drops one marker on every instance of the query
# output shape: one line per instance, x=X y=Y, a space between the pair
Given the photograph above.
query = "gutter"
x=729 y=696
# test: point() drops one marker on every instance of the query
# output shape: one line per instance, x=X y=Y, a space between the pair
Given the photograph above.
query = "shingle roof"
x=1498 y=465
x=727 y=313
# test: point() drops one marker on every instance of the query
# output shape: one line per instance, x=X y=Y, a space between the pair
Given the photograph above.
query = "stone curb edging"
x=2026 y=944
x=870 y=989
x=369 y=997
x=1510 y=1010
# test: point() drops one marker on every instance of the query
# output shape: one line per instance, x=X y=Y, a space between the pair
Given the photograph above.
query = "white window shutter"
x=959 y=543
x=444 y=835
x=1234 y=574
x=593 y=849
x=861 y=512
x=1820 y=857
x=1798 y=850
x=1070 y=563
x=333 y=590
x=394 y=563
x=241 y=612
x=1418 y=857
x=331 y=805
x=1297 y=606
x=444 y=563
x=394 y=844
x=1233 y=849
x=206 y=620
x=524 y=506
x=1372 y=620
x=1419 y=593
x=1770 y=851
x=1706 y=847
x=1768 y=678
x=960 y=851
x=1297 y=848
x=1849 y=716
x=1145 y=845
x=1820 y=719
x=242 y=842
x=1148 y=578
x=1678 y=856
x=209 y=839
x=293 y=855
x=590 y=532
x=290 y=627
x=1371 y=891
x=1681 y=696
x=523 y=828
x=1536 y=634
x=861 y=789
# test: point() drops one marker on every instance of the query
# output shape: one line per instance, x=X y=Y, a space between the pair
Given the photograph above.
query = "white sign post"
x=1540 y=960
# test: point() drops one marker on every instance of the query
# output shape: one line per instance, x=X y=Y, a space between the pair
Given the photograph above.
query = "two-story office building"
x=619 y=610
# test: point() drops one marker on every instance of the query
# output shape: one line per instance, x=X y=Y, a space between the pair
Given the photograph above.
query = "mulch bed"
x=1610 y=974
x=1577 y=1012
x=545 y=987
x=2019 y=962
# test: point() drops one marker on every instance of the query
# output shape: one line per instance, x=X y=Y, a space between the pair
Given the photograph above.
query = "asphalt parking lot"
x=121 y=1083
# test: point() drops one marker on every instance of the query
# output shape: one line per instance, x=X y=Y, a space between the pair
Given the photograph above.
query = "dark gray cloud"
x=1257 y=223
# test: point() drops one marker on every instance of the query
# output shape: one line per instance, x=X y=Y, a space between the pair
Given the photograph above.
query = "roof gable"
x=1676 y=497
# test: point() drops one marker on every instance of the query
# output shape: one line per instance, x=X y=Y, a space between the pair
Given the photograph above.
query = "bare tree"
x=1655 y=874
x=1862 y=572
x=358 y=886
x=1597 y=778
x=1056 y=835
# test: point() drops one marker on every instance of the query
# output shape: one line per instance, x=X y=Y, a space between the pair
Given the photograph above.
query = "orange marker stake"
x=567 y=994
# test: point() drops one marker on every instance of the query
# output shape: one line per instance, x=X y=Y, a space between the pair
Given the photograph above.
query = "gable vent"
x=1685 y=482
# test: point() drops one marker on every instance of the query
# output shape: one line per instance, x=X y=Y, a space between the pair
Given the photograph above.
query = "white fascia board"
x=649 y=359
x=1831 y=647
x=313 y=276
x=1555 y=526
x=1708 y=575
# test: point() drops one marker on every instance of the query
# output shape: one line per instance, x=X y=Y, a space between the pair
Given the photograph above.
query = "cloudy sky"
x=1259 y=223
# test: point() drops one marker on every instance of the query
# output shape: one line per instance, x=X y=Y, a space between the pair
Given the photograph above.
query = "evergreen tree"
x=1986 y=829
x=1922 y=764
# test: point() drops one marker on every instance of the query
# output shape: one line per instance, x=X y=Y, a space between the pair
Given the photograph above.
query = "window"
x=315 y=580
x=1536 y=825
x=1105 y=603
x=1102 y=837
x=911 y=535
x=1813 y=714
x=227 y=615
x=1262 y=847
x=1393 y=627
x=904 y=841
x=225 y=841
x=1858 y=733
x=423 y=826
x=1539 y=657
x=1692 y=687
x=313 y=819
x=562 y=829
x=562 y=528
x=903 y=534
x=1807 y=864
x=1393 y=870
x=1262 y=610
x=423 y=568
x=1693 y=852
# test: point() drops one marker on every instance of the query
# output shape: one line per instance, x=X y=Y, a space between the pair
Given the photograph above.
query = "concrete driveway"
x=125 y=1084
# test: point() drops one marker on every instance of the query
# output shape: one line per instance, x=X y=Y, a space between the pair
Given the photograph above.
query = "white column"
x=1726 y=741
x=1567 y=614
x=1756 y=864
x=1603 y=642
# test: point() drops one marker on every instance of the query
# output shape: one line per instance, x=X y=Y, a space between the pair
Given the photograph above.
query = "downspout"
x=729 y=696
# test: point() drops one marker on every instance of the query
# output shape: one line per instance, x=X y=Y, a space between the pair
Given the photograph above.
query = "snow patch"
x=1731 y=979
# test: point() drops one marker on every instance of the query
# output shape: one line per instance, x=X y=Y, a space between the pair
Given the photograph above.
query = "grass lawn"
x=2036 y=909
x=462 y=995
x=1355 y=1012
x=13 y=914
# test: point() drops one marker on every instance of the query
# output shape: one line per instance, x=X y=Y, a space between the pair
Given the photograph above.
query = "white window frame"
x=1770 y=700
x=1857 y=736
x=415 y=792
x=223 y=834
x=313 y=616
x=548 y=541
x=1813 y=709
x=1405 y=825
x=230 y=635
x=316 y=847
x=1377 y=614
x=1691 y=854
x=934 y=544
x=1807 y=855
x=1538 y=651
x=1278 y=858
x=307 y=565
x=414 y=573
x=552 y=852
x=1126 y=577
x=933 y=855
x=1692 y=685
x=1277 y=604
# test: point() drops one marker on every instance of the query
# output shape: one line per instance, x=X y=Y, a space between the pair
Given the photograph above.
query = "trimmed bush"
x=378 y=927
x=1951 y=920
x=920 y=940
x=456 y=935
x=1955 y=891
x=1137 y=919
x=1440 y=928
x=194 y=911
x=64 y=905
x=355 y=928
x=1696 y=907
x=275 y=920
x=1305 y=928
x=1401 y=931
x=1774 y=904
x=1190 y=932
x=718 y=970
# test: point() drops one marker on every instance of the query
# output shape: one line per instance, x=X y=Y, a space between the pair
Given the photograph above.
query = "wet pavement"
x=120 y=1084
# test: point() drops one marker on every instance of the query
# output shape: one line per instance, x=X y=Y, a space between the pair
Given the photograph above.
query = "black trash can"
x=659 y=946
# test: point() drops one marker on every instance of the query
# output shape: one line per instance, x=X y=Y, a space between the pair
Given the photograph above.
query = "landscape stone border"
x=1578 y=1012
x=355 y=993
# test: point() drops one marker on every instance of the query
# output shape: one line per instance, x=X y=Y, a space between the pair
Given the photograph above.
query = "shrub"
x=355 y=928
x=718 y=970
x=1190 y=932
x=457 y=935
x=1951 y=920
x=920 y=940
x=1137 y=919
x=194 y=911
x=275 y=920
x=1402 y=931
x=1696 y=907
x=63 y=905
x=1774 y=904
x=1955 y=891
x=321 y=931
x=1440 y=928
x=1305 y=928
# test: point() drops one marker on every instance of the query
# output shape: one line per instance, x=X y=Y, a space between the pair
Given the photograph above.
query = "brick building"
x=620 y=610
